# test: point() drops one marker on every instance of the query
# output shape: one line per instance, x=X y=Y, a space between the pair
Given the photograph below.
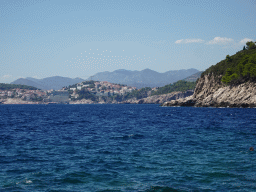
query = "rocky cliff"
x=17 y=101
x=159 y=99
x=211 y=92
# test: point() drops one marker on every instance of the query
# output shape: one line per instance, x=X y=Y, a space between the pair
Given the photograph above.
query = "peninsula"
x=229 y=83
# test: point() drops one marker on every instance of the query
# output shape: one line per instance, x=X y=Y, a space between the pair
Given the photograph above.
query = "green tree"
x=250 y=45
x=253 y=71
x=227 y=77
x=85 y=94
x=240 y=69
x=247 y=68
x=228 y=58
x=177 y=86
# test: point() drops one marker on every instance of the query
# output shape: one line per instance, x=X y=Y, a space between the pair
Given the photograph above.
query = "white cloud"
x=221 y=40
x=217 y=40
x=6 y=76
x=179 y=41
x=245 y=40
x=185 y=41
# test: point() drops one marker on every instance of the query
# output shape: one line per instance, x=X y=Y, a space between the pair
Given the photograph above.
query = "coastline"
x=211 y=92
x=155 y=99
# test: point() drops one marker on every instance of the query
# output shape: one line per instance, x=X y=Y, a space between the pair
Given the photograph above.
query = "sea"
x=127 y=148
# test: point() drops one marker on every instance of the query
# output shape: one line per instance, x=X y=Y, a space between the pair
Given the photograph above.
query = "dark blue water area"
x=126 y=148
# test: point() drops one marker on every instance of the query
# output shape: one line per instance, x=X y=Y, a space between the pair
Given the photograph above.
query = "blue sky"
x=78 y=38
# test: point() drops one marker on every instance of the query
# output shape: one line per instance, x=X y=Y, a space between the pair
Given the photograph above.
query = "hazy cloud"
x=245 y=40
x=185 y=41
x=221 y=40
x=6 y=76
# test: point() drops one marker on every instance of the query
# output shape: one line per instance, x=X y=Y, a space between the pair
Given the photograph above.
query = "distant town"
x=89 y=92
x=66 y=94
x=102 y=88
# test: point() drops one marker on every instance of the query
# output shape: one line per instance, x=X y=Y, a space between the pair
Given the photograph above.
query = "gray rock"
x=211 y=92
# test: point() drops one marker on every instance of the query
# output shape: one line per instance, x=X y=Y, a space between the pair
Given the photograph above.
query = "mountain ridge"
x=138 y=79
x=55 y=82
x=143 y=78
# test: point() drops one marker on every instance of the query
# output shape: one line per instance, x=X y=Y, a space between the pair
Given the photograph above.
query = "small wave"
x=221 y=175
x=150 y=189
x=162 y=189
x=105 y=152
x=24 y=181
x=133 y=136
x=71 y=180
x=68 y=122
x=109 y=190
x=130 y=136
x=28 y=181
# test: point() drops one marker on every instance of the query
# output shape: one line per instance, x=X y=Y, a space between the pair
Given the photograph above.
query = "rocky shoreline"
x=16 y=101
x=211 y=92
x=156 y=99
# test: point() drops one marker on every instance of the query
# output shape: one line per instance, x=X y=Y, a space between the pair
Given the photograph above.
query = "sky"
x=78 y=38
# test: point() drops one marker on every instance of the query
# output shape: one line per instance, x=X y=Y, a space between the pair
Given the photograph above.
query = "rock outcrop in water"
x=211 y=92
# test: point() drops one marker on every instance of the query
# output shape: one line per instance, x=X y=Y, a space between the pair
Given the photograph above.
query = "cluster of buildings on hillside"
x=102 y=88
x=64 y=95
x=24 y=94
x=35 y=95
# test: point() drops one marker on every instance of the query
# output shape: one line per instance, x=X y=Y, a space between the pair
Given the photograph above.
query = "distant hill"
x=22 y=81
x=6 y=86
x=144 y=78
x=177 y=86
x=194 y=77
x=48 y=83
x=138 y=79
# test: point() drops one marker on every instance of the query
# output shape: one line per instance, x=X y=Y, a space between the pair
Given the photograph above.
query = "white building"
x=9 y=93
x=79 y=87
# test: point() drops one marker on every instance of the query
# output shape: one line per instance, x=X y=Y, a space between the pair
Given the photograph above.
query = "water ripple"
x=126 y=148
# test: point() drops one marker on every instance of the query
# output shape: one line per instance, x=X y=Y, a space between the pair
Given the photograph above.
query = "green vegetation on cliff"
x=237 y=68
x=5 y=86
x=138 y=94
x=194 y=77
x=177 y=86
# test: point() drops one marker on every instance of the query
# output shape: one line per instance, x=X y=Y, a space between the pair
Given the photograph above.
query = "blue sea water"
x=126 y=148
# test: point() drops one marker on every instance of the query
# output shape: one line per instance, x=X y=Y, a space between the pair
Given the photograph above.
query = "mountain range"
x=144 y=78
x=138 y=79
x=48 y=83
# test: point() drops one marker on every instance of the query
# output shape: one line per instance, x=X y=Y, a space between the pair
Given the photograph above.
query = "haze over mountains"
x=48 y=83
x=144 y=78
x=194 y=77
x=138 y=79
